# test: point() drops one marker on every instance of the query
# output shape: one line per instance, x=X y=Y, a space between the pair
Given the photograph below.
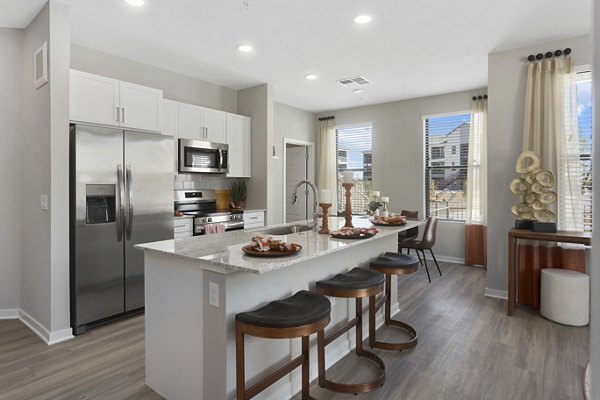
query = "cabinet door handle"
x=118 y=114
x=122 y=114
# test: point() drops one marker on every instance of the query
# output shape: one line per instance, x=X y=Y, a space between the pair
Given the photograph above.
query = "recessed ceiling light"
x=244 y=48
x=362 y=19
x=358 y=91
x=310 y=76
x=137 y=3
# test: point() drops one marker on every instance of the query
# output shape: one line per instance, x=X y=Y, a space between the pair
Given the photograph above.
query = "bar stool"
x=296 y=316
x=391 y=264
x=357 y=284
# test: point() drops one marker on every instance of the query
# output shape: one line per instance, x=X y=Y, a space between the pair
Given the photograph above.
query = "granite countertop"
x=225 y=250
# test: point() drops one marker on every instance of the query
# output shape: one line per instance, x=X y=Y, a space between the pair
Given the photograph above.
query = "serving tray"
x=359 y=236
x=251 y=251
x=384 y=223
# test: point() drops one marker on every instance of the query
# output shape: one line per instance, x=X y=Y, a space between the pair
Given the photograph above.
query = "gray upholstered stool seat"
x=392 y=264
x=294 y=317
x=357 y=284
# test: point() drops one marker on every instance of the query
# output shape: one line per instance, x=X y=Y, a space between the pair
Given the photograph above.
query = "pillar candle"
x=325 y=196
x=348 y=177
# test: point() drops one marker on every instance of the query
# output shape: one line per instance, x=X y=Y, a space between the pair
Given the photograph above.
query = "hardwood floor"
x=468 y=349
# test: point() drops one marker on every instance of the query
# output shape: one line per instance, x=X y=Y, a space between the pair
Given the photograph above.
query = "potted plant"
x=238 y=194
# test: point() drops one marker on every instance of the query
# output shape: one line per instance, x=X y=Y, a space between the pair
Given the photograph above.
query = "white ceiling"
x=410 y=49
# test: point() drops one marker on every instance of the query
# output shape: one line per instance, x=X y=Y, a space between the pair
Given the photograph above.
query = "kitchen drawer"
x=183 y=225
x=254 y=219
x=185 y=234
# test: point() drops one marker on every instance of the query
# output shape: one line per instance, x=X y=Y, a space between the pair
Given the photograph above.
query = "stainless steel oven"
x=201 y=156
x=202 y=205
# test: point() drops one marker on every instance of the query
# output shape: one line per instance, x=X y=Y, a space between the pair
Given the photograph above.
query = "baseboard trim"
x=9 y=313
x=496 y=294
x=49 y=337
x=449 y=259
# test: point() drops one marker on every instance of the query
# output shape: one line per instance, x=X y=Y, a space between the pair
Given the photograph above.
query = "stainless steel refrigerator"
x=121 y=194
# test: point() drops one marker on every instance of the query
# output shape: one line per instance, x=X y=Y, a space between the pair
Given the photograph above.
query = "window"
x=354 y=153
x=584 y=120
x=445 y=181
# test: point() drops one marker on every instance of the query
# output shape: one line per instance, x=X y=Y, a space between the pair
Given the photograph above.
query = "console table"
x=513 y=237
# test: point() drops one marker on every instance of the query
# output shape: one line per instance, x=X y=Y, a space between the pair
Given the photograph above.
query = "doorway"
x=298 y=165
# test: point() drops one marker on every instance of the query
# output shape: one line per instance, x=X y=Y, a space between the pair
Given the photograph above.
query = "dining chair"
x=426 y=243
x=411 y=233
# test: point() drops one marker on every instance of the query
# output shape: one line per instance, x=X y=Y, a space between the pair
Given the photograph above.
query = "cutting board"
x=223 y=198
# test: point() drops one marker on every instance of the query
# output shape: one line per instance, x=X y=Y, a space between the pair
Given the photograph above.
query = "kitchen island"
x=195 y=287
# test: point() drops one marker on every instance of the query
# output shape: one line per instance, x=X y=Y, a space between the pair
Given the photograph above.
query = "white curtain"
x=477 y=165
x=326 y=172
x=551 y=130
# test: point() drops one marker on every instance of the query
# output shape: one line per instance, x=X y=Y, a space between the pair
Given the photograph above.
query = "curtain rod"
x=326 y=118
x=549 y=54
x=480 y=97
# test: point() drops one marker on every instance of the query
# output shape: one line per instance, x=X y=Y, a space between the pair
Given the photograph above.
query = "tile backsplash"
x=201 y=181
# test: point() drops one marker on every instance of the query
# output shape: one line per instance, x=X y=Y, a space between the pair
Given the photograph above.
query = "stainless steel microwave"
x=201 y=156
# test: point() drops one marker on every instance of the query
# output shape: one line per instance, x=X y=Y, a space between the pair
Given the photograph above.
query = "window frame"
x=426 y=182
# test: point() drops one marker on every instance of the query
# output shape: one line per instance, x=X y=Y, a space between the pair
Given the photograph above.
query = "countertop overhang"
x=225 y=250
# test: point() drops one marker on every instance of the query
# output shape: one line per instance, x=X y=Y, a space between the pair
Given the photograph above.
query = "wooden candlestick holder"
x=348 y=212
x=325 y=224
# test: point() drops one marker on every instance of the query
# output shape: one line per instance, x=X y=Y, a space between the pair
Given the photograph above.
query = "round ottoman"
x=565 y=296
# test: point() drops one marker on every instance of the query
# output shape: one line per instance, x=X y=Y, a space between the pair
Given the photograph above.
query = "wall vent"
x=354 y=82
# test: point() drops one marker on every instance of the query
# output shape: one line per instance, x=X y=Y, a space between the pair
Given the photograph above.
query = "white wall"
x=291 y=123
x=257 y=102
x=506 y=89
x=11 y=41
x=174 y=86
x=595 y=273
x=398 y=170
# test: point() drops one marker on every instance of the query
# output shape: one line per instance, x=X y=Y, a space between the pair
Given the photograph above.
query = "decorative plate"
x=353 y=236
x=380 y=223
x=251 y=251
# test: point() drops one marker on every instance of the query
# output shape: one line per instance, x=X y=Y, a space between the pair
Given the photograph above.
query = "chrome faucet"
x=315 y=225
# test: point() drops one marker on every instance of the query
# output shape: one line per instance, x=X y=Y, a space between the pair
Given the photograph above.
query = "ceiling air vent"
x=354 y=82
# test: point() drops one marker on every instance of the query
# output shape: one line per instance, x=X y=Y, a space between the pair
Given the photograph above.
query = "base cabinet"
x=254 y=219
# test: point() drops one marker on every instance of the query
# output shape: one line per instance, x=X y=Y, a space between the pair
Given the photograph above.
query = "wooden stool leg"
x=388 y=298
x=240 y=373
x=372 y=311
x=321 y=355
x=305 y=364
x=358 y=327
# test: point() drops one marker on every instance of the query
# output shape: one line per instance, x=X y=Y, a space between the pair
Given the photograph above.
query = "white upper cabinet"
x=141 y=107
x=94 y=99
x=202 y=123
x=214 y=123
x=239 y=139
x=190 y=122
x=170 y=118
x=100 y=100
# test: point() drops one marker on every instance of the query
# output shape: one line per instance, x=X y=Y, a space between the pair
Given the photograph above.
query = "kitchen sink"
x=286 y=230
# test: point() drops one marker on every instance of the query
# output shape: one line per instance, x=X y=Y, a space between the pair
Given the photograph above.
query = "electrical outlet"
x=213 y=294
x=44 y=202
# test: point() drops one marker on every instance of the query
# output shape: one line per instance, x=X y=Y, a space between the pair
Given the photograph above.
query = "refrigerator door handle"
x=129 y=181
x=120 y=204
x=220 y=152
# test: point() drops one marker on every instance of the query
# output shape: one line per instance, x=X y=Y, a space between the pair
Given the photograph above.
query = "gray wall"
x=506 y=88
x=290 y=123
x=11 y=64
x=174 y=86
x=36 y=180
x=398 y=170
x=257 y=102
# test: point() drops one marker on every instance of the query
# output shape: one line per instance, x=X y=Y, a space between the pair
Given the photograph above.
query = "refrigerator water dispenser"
x=100 y=204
